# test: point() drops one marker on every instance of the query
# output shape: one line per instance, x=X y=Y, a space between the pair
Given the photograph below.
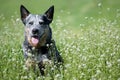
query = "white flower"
x=118 y=60
x=108 y=64
x=67 y=65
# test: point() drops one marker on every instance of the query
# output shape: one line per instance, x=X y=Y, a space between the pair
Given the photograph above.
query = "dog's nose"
x=35 y=31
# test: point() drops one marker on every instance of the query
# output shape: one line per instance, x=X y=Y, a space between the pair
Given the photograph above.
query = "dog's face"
x=37 y=28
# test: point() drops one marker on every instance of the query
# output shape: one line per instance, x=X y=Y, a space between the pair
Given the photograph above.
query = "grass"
x=90 y=47
x=91 y=54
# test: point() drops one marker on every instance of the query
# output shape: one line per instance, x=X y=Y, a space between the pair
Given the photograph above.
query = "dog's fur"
x=38 y=37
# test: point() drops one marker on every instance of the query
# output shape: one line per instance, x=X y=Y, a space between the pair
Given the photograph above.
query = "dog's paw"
x=30 y=63
x=46 y=62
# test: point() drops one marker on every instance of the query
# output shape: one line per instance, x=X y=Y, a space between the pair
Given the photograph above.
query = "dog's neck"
x=47 y=45
x=48 y=49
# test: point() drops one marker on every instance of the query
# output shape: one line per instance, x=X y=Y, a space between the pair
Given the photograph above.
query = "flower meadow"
x=91 y=53
x=90 y=50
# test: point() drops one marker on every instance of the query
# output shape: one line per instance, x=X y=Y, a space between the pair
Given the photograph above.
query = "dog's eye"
x=31 y=23
x=41 y=23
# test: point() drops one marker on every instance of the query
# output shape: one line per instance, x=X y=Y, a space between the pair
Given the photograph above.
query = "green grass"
x=89 y=41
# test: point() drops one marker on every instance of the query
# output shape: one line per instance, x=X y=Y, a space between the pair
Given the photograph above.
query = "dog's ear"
x=49 y=13
x=24 y=12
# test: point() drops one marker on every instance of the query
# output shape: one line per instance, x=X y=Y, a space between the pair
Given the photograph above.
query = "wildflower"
x=118 y=60
x=17 y=20
x=24 y=77
x=98 y=71
x=99 y=4
x=57 y=75
x=108 y=64
x=67 y=65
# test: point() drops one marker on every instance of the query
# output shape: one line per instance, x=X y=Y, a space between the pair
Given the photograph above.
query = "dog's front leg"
x=30 y=63
x=44 y=64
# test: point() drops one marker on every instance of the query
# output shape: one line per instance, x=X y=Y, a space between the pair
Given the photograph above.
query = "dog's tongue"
x=35 y=41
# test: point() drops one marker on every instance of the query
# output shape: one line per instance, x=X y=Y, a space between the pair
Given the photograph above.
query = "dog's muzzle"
x=36 y=36
x=35 y=31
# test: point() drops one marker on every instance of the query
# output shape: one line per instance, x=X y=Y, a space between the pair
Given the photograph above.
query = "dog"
x=38 y=47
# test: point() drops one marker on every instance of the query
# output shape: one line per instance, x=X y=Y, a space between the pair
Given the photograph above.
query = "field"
x=87 y=34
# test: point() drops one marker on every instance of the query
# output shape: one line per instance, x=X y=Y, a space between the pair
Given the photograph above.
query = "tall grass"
x=91 y=53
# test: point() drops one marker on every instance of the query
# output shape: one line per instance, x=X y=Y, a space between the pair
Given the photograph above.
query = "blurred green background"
x=87 y=34
x=72 y=12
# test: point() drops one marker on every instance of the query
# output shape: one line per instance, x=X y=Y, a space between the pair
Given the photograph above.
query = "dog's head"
x=37 y=30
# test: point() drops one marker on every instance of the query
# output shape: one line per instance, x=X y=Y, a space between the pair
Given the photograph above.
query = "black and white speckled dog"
x=38 y=47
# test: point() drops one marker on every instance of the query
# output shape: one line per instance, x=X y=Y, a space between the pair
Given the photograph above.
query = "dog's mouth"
x=35 y=40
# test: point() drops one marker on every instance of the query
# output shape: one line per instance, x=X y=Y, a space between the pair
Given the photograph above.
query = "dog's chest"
x=38 y=55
